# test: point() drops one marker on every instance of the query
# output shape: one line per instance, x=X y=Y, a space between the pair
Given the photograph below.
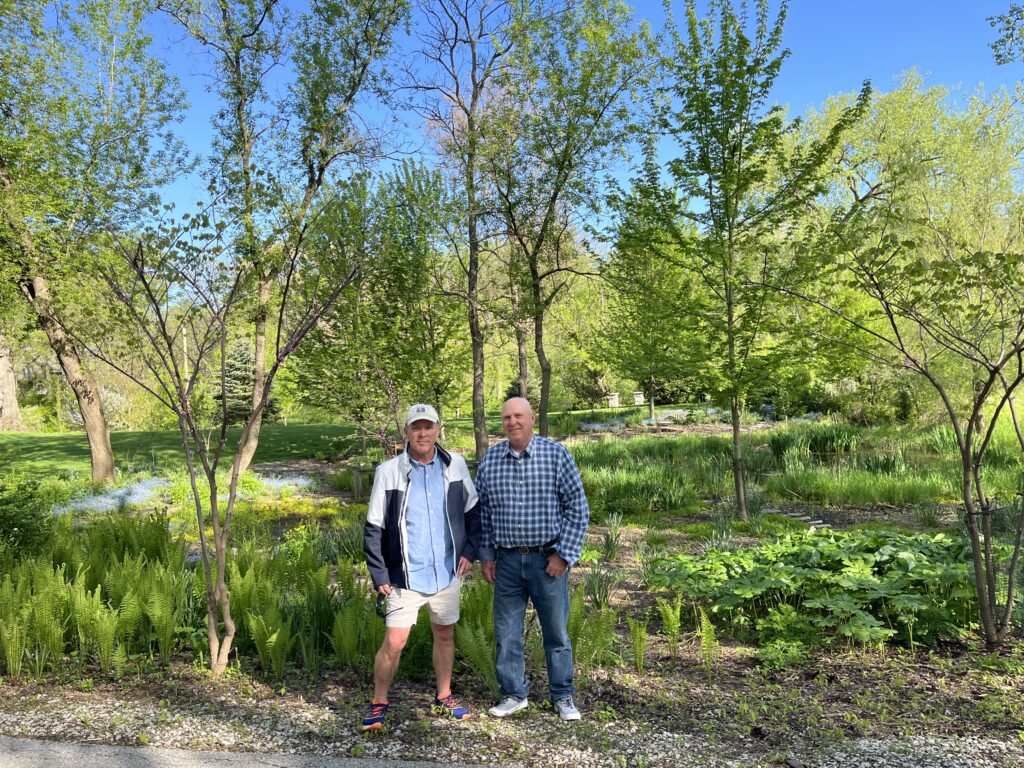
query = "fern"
x=129 y=617
x=344 y=587
x=120 y=658
x=13 y=636
x=597 y=639
x=260 y=634
x=372 y=634
x=83 y=606
x=274 y=642
x=159 y=609
x=671 y=622
x=346 y=632
x=49 y=617
x=638 y=634
x=282 y=644
x=123 y=577
x=574 y=624
x=708 y=643
x=105 y=625
x=476 y=645
x=45 y=635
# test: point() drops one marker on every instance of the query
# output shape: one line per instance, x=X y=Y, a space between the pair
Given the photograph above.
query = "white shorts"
x=404 y=605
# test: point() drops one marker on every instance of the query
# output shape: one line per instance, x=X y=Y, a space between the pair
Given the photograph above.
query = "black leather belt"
x=545 y=548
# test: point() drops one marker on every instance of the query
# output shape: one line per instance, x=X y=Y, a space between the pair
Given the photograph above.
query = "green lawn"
x=37 y=453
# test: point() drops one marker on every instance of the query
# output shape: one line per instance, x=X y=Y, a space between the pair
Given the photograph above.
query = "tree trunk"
x=737 y=459
x=524 y=361
x=542 y=361
x=248 y=448
x=519 y=325
x=476 y=331
x=981 y=564
x=734 y=405
x=37 y=291
x=10 y=415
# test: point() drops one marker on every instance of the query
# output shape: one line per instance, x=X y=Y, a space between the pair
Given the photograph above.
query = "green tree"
x=193 y=277
x=650 y=335
x=274 y=156
x=564 y=115
x=925 y=223
x=239 y=370
x=1009 y=46
x=739 y=182
x=83 y=142
x=464 y=49
x=393 y=337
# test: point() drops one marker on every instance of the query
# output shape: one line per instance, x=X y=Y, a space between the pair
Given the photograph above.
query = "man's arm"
x=373 y=534
x=575 y=510
x=471 y=518
x=471 y=503
x=486 y=547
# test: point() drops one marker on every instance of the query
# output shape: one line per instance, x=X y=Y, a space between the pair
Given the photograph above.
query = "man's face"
x=517 y=422
x=422 y=437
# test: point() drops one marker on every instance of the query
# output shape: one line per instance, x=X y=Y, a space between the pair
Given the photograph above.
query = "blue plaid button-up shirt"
x=531 y=499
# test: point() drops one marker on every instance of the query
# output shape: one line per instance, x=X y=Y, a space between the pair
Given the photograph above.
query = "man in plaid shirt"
x=534 y=516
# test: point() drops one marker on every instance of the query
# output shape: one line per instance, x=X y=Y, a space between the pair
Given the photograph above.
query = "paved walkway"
x=33 y=753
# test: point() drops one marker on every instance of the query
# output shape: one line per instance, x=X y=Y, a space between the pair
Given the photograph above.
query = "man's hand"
x=384 y=589
x=557 y=565
x=465 y=566
x=487 y=568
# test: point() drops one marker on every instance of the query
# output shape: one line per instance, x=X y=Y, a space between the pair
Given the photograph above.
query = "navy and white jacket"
x=384 y=536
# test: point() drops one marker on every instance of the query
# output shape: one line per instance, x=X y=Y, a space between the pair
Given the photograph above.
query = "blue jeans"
x=520 y=577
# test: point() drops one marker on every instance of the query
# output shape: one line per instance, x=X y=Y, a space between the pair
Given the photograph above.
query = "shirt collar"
x=525 y=452
x=416 y=463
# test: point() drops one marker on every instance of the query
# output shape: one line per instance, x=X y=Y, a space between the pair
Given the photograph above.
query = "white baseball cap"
x=419 y=412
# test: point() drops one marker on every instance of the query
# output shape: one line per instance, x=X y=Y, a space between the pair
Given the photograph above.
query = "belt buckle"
x=523 y=550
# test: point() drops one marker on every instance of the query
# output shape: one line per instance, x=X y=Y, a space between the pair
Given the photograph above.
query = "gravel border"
x=215 y=719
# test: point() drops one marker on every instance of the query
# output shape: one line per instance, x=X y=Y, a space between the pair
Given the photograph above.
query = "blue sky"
x=835 y=45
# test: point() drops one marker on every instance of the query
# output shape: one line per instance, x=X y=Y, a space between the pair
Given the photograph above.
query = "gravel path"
x=231 y=721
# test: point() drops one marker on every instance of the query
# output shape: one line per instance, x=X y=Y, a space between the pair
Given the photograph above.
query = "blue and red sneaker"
x=449 y=707
x=374 y=720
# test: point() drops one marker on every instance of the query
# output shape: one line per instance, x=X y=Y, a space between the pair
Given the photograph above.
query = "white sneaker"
x=510 y=705
x=566 y=709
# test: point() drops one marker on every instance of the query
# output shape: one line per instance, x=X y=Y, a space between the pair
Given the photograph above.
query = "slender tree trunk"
x=10 y=415
x=248 y=449
x=524 y=361
x=542 y=360
x=734 y=405
x=982 y=566
x=476 y=331
x=650 y=398
x=37 y=291
x=521 y=334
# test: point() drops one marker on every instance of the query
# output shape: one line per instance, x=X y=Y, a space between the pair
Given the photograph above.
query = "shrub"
x=26 y=523
x=782 y=654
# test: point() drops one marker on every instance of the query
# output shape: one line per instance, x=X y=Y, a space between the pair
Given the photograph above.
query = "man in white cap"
x=421 y=536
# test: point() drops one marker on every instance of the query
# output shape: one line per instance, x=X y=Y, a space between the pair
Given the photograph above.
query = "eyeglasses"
x=382 y=601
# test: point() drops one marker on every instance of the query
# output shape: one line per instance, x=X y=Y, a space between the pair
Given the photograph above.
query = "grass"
x=41 y=454
x=644 y=478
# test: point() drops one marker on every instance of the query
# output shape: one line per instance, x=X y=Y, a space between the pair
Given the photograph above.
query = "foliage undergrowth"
x=859 y=587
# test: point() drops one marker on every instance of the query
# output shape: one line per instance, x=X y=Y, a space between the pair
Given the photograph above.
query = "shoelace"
x=449 y=701
x=377 y=709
